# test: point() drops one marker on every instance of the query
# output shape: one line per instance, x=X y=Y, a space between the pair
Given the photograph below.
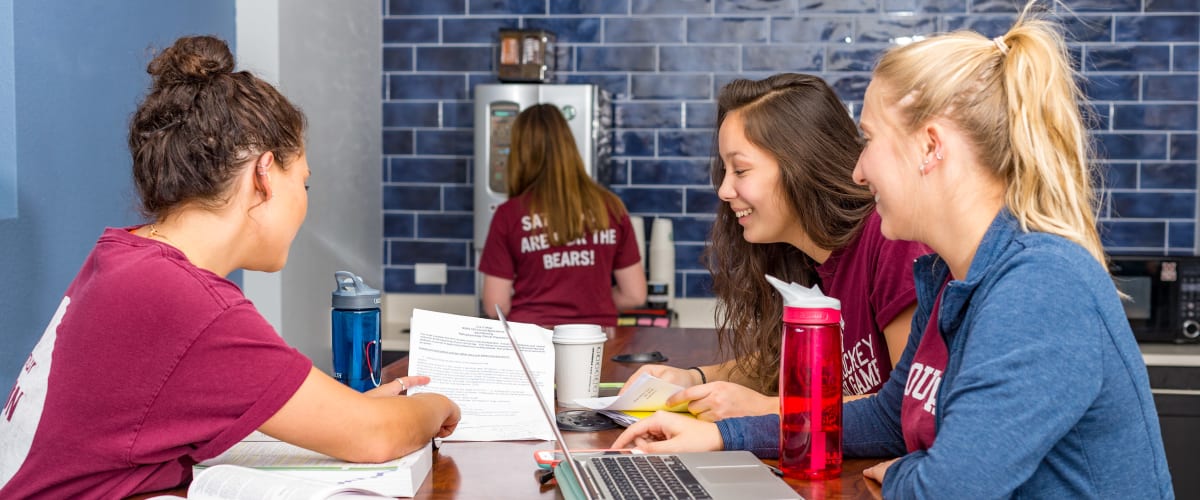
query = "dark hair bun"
x=192 y=59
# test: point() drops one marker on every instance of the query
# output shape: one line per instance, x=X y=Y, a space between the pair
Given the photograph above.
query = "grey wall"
x=78 y=70
x=326 y=57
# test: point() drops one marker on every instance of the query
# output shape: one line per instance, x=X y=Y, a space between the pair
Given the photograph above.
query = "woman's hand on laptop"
x=666 y=432
x=685 y=377
x=719 y=400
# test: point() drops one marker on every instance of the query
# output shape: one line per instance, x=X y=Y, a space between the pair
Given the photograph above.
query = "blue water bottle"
x=356 y=349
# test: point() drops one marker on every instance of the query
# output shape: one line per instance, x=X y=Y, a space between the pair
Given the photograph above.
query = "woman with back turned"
x=557 y=245
x=154 y=361
x=1021 y=377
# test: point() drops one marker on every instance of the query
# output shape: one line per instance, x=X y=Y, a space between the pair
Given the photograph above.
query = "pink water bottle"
x=810 y=383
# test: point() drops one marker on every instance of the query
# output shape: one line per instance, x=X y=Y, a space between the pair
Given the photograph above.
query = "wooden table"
x=506 y=469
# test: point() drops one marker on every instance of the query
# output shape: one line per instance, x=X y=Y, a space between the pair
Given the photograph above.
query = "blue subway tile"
x=474 y=30
x=844 y=6
x=1087 y=28
x=647 y=115
x=454 y=59
x=1154 y=117
x=1132 y=234
x=427 y=87
x=411 y=169
x=698 y=58
x=1183 y=147
x=850 y=87
x=458 y=114
x=506 y=6
x=397 y=142
x=1118 y=175
x=687 y=256
x=811 y=29
x=618 y=172
x=892 y=29
x=726 y=29
x=700 y=115
x=1160 y=205
x=397 y=58
x=987 y=6
x=694 y=143
x=412 y=198
x=1131 y=146
x=754 y=7
x=451 y=253
x=1170 y=87
x=1186 y=58
x=651 y=200
x=1097 y=116
x=634 y=143
x=670 y=86
x=1107 y=87
x=1181 y=235
x=410 y=114
x=1171 y=6
x=402 y=280
x=445 y=142
x=398 y=225
x=861 y=59
x=459 y=198
x=1103 y=5
x=701 y=200
x=615 y=58
x=643 y=30
x=460 y=281
x=424 y=7
x=1143 y=29
x=446 y=226
x=669 y=172
x=670 y=6
x=991 y=25
x=616 y=85
x=923 y=6
x=410 y=30
x=568 y=30
x=587 y=7
x=697 y=286
x=1168 y=176
x=781 y=58
x=1128 y=58
x=692 y=229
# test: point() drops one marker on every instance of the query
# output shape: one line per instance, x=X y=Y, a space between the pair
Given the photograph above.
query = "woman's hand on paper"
x=717 y=400
x=397 y=387
x=666 y=432
x=678 y=376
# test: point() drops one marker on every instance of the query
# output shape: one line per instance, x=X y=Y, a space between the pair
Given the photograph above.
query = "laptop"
x=713 y=475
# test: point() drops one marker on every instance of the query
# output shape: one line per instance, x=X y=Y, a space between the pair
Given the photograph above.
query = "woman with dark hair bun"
x=154 y=361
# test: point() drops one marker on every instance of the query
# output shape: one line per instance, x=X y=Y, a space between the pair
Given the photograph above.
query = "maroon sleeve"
x=497 y=258
x=627 y=250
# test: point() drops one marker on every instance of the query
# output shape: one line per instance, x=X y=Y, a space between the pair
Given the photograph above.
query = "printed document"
x=470 y=361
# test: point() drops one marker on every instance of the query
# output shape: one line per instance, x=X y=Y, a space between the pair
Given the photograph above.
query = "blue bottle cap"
x=352 y=293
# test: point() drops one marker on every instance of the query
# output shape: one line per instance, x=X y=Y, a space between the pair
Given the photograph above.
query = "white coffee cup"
x=578 y=355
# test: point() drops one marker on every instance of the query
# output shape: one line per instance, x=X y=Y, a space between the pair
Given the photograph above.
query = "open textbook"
x=469 y=360
x=286 y=465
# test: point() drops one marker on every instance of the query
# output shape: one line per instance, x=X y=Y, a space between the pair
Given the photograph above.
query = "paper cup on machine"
x=578 y=354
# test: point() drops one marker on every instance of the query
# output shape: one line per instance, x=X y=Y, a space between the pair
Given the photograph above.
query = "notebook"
x=708 y=475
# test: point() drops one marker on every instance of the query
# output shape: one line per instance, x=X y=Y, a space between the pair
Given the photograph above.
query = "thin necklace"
x=154 y=233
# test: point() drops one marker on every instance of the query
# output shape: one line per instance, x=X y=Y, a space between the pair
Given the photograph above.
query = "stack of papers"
x=646 y=395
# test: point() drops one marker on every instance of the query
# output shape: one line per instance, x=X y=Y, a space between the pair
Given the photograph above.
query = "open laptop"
x=715 y=474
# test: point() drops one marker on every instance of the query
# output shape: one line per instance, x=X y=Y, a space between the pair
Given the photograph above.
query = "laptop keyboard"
x=638 y=477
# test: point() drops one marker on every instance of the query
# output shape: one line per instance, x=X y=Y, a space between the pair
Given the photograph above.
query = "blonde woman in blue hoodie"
x=1021 y=377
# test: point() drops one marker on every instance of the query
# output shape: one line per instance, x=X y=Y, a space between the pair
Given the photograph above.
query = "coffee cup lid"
x=578 y=333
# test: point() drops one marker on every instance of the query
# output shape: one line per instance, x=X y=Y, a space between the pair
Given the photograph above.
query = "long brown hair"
x=201 y=122
x=544 y=162
x=799 y=121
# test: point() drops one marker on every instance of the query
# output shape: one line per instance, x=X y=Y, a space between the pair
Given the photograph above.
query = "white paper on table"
x=470 y=361
x=647 y=393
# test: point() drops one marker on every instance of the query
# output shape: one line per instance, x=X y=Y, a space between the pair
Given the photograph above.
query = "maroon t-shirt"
x=149 y=365
x=918 y=410
x=873 y=279
x=571 y=283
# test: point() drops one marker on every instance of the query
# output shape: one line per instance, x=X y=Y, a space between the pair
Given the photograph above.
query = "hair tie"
x=999 y=41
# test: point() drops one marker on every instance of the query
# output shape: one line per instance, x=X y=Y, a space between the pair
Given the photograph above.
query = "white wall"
x=325 y=57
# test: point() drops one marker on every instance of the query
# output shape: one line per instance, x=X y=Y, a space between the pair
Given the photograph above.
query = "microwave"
x=1163 y=303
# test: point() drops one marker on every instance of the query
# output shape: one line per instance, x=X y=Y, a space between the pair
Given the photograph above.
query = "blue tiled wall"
x=663 y=61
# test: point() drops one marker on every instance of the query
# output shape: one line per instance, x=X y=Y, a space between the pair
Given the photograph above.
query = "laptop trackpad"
x=743 y=482
x=720 y=475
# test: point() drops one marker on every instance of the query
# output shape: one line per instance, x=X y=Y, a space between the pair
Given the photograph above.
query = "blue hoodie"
x=1045 y=393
